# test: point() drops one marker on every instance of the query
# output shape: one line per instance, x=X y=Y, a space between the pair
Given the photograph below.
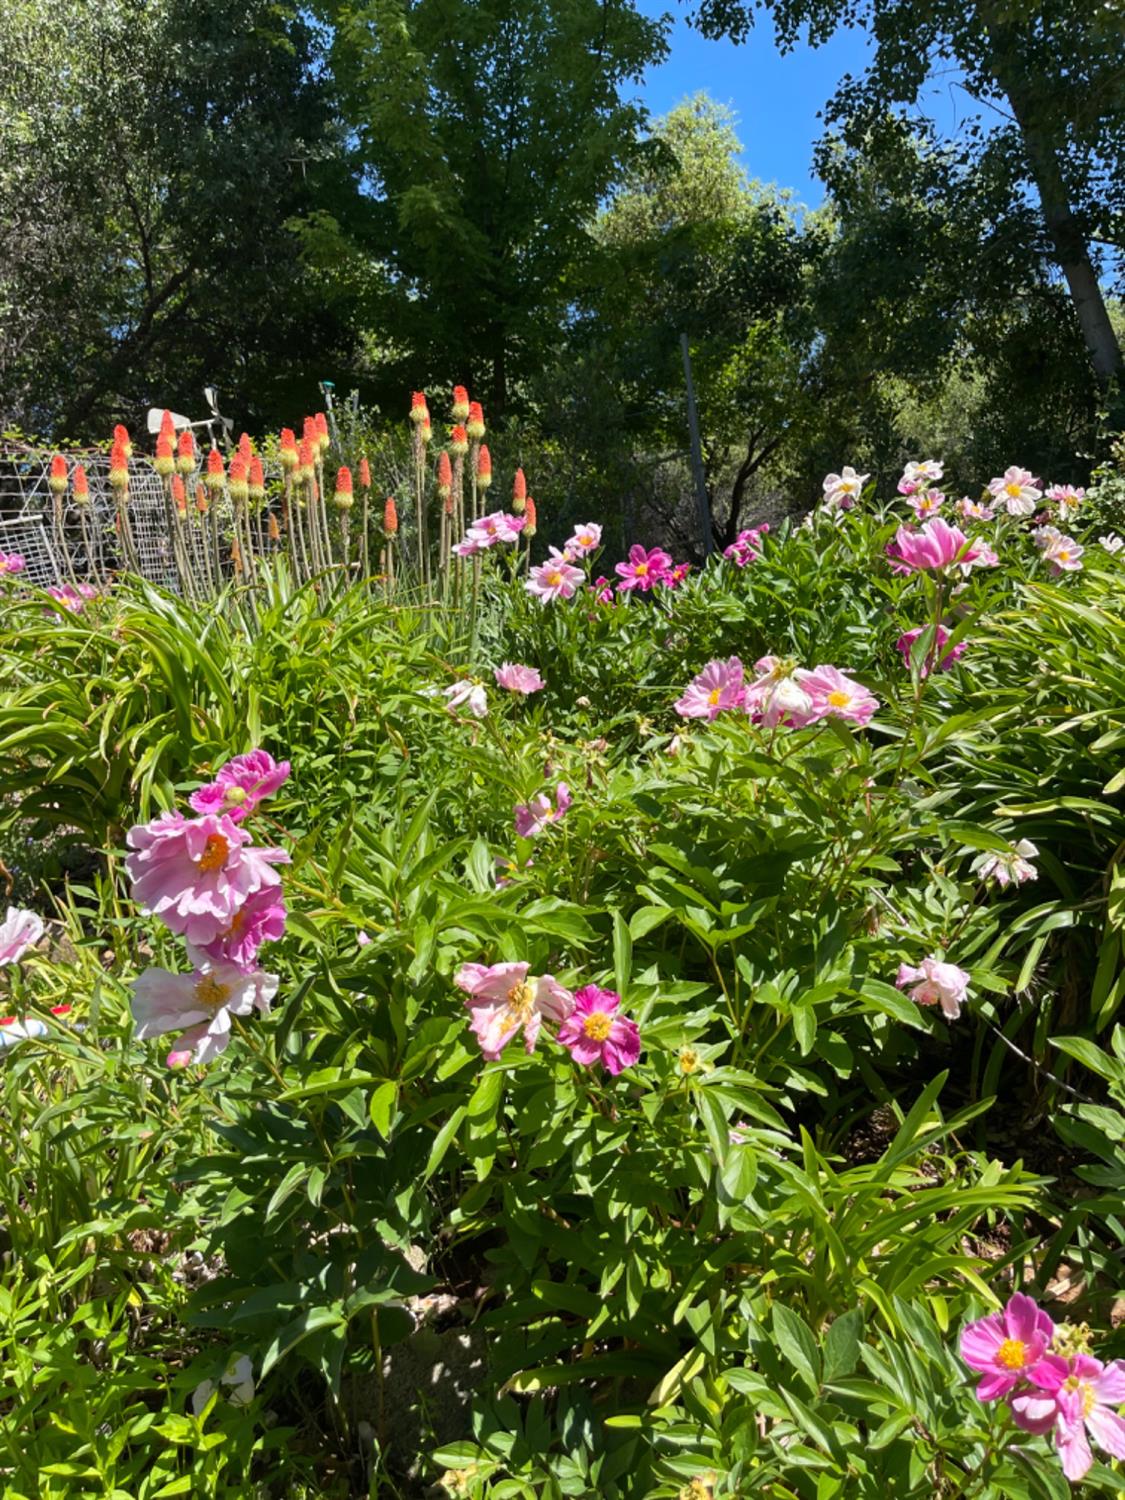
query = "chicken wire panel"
x=84 y=541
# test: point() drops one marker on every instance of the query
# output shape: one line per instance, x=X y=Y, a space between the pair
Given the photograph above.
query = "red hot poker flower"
x=58 y=479
x=475 y=425
x=484 y=468
x=459 y=441
x=460 y=408
x=364 y=474
x=444 y=474
x=81 y=486
x=390 y=517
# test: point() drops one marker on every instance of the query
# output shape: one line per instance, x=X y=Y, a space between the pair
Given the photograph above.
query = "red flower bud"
x=321 y=431
x=245 y=448
x=519 y=493
x=239 y=480
x=305 y=458
x=167 y=426
x=119 y=465
x=121 y=435
x=185 y=452
x=390 y=517
x=201 y=500
x=179 y=495
x=287 y=449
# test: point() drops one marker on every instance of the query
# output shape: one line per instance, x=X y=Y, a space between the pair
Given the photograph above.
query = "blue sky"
x=776 y=98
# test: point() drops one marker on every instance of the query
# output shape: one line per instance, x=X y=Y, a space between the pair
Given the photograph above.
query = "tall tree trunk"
x=1071 y=252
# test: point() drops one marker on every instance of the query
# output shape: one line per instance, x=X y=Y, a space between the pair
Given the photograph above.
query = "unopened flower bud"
x=202 y=502
x=305 y=460
x=444 y=475
x=119 y=466
x=121 y=435
x=364 y=474
x=179 y=496
x=274 y=528
x=475 y=424
x=321 y=432
x=245 y=449
x=239 y=480
x=519 y=493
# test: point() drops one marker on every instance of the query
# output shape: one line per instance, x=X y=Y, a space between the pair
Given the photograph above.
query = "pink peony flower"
x=936 y=983
x=19 y=931
x=68 y=597
x=11 y=562
x=746 y=545
x=470 y=546
x=643 y=570
x=1078 y=1398
x=920 y=475
x=675 y=576
x=717 y=687
x=841 y=491
x=497 y=527
x=201 y=1003
x=982 y=556
x=603 y=590
x=837 y=696
x=777 y=694
x=926 y=503
x=470 y=693
x=532 y=817
x=1012 y=868
x=260 y=919
x=586 y=539
x=503 y=998
x=194 y=874
x=594 y=1033
x=974 y=510
x=1006 y=1346
x=519 y=679
x=936 y=545
x=241 y=784
x=1063 y=553
x=554 y=579
x=1017 y=490
x=905 y=644
x=1111 y=543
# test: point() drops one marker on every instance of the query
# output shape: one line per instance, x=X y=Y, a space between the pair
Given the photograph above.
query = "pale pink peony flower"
x=469 y=547
x=1078 y=1399
x=837 y=696
x=260 y=919
x=841 y=491
x=194 y=874
x=497 y=527
x=644 y=568
x=1006 y=1346
x=1064 y=554
x=717 y=687
x=1067 y=498
x=554 y=579
x=470 y=693
x=974 y=510
x=1111 y=543
x=905 y=644
x=201 y=1003
x=19 y=931
x=936 y=983
x=503 y=998
x=936 y=545
x=982 y=556
x=595 y=1033
x=926 y=503
x=926 y=472
x=1012 y=868
x=532 y=817
x=241 y=784
x=586 y=539
x=518 y=678
x=1017 y=489
x=777 y=694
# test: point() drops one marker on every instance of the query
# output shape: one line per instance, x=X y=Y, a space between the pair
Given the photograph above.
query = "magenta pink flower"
x=643 y=570
x=1077 y=1398
x=201 y=1002
x=936 y=983
x=469 y=547
x=11 y=562
x=19 y=931
x=595 y=1033
x=936 y=545
x=195 y=874
x=777 y=695
x=746 y=545
x=241 y=784
x=905 y=644
x=1006 y=1346
x=260 y=919
x=716 y=688
x=837 y=696
x=519 y=679
x=503 y=998
x=675 y=575
x=497 y=527
x=603 y=590
x=532 y=817
x=554 y=579
x=68 y=597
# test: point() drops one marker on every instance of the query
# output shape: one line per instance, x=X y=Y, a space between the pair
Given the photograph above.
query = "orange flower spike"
x=419 y=412
x=287 y=450
x=459 y=441
x=343 y=498
x=167 y=426
x=519 y=493
x=364 y=474
x=165 y=460
x=119 y=466
x=309 y=433
x=179 y=495
x=460 y=408
x=484 y=468
x=202 y=503
x=475 y=425
x=532 y=524
x=245 y=449
x=257 y=479
x=121 y=435
x=274 y=528
x=81 y=486
x=321 y=431
x=215 y=473
x=239 y=480
x=58 y=480
x=185 y=452
x=305 y=459
x=390 y=517
x=444 y=474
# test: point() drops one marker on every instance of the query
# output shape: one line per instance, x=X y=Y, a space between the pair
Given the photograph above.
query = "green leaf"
x=795 y=1340
x=841 y=1344
x=442 y=1142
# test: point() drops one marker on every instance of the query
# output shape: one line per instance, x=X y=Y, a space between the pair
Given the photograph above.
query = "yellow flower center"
x=214 y=855
x=839 y=698
x=641 y=570
x=521 y=1002
x=714 y=695
x=210 y=994
x=689 y=1060
x=597 y=1025
x=847 y=486
x=1014 y=490
x=1012 y=1354
x=1089 y=1396
x=554 y=577
x=1064 y=555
